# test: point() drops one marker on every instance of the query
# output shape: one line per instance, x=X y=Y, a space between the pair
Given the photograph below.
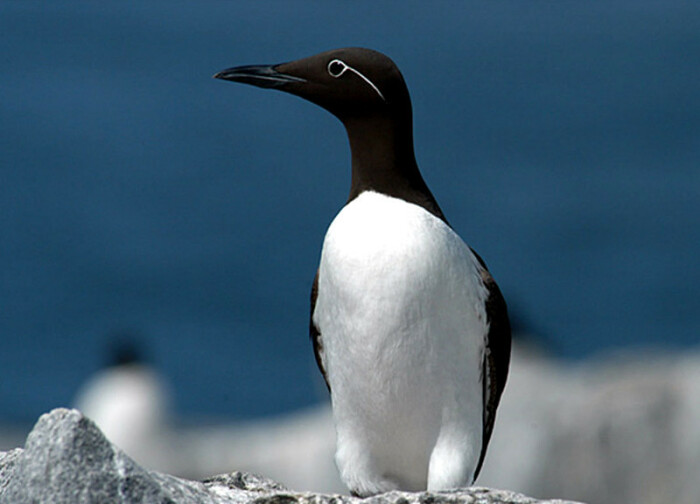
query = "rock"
x=7 y=465
x=67 y=459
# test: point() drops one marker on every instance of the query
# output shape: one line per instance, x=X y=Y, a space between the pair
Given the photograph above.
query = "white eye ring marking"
x=345 y=67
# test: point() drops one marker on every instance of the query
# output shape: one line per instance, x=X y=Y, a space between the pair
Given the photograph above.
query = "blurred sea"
x=137 y=194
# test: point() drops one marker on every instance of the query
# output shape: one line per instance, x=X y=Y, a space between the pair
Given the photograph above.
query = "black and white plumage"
x=409 y=328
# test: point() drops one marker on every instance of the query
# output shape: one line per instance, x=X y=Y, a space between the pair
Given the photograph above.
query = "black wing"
x=315 y=334
x=496 y=358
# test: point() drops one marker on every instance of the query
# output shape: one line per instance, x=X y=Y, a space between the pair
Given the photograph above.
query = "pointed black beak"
x=264 y=76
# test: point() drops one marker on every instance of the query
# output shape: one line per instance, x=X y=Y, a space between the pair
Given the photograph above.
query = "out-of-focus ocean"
x=139 y=195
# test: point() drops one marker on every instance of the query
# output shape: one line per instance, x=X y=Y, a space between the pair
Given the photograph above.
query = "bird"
x=129 y=400
x=409 y=328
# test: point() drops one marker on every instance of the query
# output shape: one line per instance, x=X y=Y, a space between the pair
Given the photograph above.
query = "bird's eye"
x=336 y=68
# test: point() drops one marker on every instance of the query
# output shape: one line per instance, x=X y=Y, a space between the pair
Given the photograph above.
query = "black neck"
x=383 y=161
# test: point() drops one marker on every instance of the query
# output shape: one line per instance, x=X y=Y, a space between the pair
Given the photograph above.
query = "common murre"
x=409 y=328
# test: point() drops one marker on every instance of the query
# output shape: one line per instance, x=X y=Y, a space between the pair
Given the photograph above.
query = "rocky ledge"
x=67 y=459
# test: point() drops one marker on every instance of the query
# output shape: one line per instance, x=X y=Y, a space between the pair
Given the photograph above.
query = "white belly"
x=400 y=310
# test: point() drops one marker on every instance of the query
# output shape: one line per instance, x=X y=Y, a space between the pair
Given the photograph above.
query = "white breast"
x=401 y=313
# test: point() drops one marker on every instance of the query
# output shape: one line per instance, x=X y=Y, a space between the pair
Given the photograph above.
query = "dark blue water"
x=562 y=139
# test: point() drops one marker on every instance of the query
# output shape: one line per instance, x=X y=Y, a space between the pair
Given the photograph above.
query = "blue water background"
x=562 y=140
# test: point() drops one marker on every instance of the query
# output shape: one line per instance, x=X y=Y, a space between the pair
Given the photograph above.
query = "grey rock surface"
x=67 y=459
x=7 y=466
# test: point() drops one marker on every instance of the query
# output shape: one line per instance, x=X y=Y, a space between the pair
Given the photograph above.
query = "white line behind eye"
x=353 y=70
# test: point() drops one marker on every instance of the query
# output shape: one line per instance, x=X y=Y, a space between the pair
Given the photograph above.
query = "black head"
x=366 y=91
x=349 y=83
